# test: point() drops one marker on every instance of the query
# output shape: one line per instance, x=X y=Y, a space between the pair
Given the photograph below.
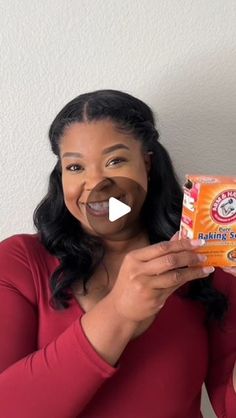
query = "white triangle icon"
x=117 y=209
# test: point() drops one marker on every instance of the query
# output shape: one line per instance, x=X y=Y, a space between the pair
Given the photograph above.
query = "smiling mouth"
x=100 y=206
x=101 y=201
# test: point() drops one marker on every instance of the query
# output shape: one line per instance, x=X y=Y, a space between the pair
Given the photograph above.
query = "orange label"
x=209 y=213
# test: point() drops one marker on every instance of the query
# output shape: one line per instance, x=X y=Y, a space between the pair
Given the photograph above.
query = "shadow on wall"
x=196 y=105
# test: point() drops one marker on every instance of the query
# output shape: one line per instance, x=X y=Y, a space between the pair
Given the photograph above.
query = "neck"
x=120 y=248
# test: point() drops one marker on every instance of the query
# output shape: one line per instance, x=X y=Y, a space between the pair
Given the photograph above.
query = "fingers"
x=166 y=284
x=171 y=261
x=177 y=278
x=165 y=247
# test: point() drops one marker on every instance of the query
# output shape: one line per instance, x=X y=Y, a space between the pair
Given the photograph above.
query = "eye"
x=117 y=160
x=79 y=168
x=69 y=167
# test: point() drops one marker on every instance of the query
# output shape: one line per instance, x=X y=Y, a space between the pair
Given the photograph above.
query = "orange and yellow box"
x=209 y=213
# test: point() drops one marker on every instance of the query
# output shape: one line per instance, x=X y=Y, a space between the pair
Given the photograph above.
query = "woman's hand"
x=230 y=270
x=149 y=275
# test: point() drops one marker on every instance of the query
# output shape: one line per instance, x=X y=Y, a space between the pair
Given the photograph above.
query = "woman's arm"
x=62 y=377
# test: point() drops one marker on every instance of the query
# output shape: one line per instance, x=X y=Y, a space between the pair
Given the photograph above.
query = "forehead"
x=84 y=137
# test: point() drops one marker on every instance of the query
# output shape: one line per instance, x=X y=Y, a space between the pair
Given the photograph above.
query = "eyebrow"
x=105 y=151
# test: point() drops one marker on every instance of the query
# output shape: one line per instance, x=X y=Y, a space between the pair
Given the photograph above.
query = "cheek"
x=71 y=199
x=139 y=177
x=142 y=182
x=141 y=174
x=136 y=194
x=71 y=190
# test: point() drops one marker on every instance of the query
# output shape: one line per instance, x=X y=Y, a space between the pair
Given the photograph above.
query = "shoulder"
x=15 y=242
x=24 y=263
x=22 y=246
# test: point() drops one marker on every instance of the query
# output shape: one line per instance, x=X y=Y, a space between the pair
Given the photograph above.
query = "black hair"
x=61 y=233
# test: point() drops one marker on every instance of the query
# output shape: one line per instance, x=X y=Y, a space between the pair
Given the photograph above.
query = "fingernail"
x=202 y=257
x=197 y=242
x=209 y=269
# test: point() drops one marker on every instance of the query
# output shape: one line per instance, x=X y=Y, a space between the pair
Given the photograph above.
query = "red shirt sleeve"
x=222 y=352
x=57 y=380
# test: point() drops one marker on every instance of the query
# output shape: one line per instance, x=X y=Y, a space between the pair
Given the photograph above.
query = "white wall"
x=177 y=55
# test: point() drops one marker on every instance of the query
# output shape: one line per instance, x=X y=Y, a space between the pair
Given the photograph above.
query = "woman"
x=103 y=319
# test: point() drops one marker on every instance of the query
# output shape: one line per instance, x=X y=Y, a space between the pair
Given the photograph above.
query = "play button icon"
x=113 y=206
x=117 y=209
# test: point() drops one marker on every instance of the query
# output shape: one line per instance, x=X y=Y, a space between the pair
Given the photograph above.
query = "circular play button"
x=113 y=206
x=116 y=209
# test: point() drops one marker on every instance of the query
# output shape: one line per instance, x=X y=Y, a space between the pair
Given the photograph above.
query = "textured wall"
x=178 y=55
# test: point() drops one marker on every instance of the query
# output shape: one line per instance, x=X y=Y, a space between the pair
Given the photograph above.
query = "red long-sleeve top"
x=49 y=369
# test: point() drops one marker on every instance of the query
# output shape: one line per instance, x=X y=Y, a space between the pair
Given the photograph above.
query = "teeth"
x=99 y=206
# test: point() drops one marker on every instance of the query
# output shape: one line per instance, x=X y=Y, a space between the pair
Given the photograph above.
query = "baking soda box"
x=209 y=213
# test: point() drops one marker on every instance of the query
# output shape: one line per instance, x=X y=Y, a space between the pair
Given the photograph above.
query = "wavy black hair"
x=61 y=233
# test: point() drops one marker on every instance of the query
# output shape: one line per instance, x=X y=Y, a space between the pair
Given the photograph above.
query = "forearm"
x=108 y=333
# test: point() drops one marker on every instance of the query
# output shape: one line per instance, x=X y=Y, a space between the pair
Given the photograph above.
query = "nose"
x=95 y=178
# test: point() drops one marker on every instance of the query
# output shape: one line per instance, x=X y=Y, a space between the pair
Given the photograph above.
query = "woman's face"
x=99 y=162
